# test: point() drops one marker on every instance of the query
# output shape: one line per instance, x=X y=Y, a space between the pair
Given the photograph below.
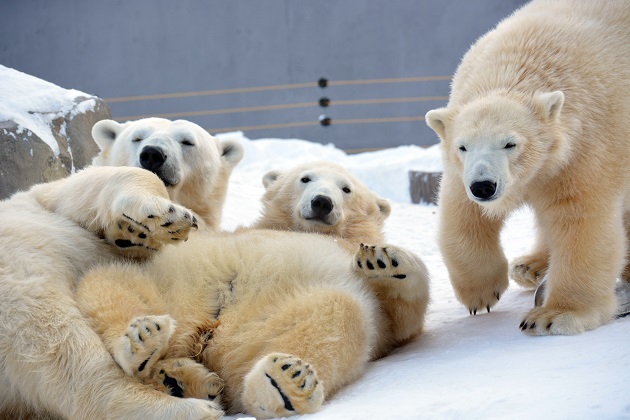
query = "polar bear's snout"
x=483 y=190
x=155 y=158
x=321 y=206
x=152 y=158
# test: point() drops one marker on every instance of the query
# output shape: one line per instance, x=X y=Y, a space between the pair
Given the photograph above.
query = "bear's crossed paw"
x=149 y=223
x=185 y=378
x=282 y=385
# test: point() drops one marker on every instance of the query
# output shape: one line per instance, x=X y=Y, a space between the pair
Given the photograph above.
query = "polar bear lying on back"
x=194 y=166
x=284 y=318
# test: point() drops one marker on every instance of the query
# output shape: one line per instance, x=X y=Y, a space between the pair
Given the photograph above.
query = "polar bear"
x=284 y=318
x=194 y=166
x=52 y=363
x=539 y=113
x=323 y=197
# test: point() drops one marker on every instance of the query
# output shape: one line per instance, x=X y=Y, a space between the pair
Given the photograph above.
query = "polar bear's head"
x=499 y=143
x=323 y=197
x=194 y=166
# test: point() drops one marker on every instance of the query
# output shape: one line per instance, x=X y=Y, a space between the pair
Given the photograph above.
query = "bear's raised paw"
x=143 y=344
x=381 y=261
x=282 y=385
x=144 y=223
x=529 y=270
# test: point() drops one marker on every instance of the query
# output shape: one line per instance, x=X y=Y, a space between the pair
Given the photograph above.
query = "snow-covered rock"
x=45 y=130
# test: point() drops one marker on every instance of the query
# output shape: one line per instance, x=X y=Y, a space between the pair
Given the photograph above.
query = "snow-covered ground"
x=463 y=366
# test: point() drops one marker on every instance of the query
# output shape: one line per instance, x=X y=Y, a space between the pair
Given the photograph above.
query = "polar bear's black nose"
x=152 y=158
x=321 y=206
x=483 y=189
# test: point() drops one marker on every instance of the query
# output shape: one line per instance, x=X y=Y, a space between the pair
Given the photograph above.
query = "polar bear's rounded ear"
x=551 y=103
x=232 y=151
x=384 y=207
x=436 y=119
x=270 y=177
x=105 y=132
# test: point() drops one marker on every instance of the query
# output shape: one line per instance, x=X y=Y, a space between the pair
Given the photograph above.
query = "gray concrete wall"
x=137 y=48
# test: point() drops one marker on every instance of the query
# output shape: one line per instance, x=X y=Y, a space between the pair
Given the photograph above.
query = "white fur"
x=196 y=167
x=52 y=363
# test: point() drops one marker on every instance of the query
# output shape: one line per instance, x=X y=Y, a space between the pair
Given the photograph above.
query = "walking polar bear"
x=194 y=166
x=52 y=363
x=284 y=318
x=539 y=113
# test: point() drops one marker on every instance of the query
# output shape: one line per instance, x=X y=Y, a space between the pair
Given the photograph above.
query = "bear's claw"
x=282 y=385
x=377 y=262
x=186 y=378
x=148 y=223
x=143 y=344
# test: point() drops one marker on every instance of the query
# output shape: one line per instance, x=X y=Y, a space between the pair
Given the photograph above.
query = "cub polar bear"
x=194 y=166
x=284 y=318
x=539 y=113
x=52 y=363
x=323 y=197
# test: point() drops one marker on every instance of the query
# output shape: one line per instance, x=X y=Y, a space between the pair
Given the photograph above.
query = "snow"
x=463 y=366
x=34 y=104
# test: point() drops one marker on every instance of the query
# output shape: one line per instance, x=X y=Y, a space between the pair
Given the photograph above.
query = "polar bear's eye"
x=136 y=139
x=187 y=143
x=346 y=190
x=510 y=146
x=305 y=179
x=462 y=148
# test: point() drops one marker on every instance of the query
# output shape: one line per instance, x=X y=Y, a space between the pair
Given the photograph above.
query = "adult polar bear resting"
x=52 y=363
x=539 y=113
x=194 y=166
x=298 y=314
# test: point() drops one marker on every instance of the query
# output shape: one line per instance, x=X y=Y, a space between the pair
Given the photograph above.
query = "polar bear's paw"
x=148 y=223
x=378 y=262
x=549 y=321
x=529 y=270
x=185 y=378
x=282 y=385
x=143 y=344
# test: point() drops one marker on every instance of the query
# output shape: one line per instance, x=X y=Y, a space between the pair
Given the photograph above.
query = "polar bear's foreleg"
x=400 y=281
x=588 y=250
x=471 y=248
x=124 y=306
x=128 y=207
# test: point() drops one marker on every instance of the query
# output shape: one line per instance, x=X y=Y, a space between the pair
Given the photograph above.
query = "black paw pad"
x=175 y=389
x=380 y=264
x=124 y=243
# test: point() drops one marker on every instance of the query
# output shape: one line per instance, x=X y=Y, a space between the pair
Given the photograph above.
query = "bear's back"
x=545 y=46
